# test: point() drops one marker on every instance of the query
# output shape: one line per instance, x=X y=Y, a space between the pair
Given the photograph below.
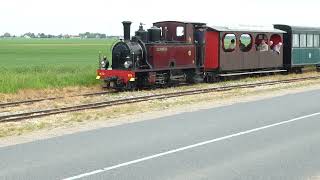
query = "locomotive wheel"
x=131 y=86
x=190 y=77
x=104 y=85
x=210 y=78
x=298 y=71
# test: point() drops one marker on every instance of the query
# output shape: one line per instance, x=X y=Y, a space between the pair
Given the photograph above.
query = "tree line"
x=85 y=35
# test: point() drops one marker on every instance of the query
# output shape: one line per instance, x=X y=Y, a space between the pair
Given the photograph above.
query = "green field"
x=49 y=63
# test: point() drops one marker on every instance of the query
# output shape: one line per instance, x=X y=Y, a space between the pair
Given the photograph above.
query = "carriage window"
x=295 y=40
x=303 y=40
x=262 y=43
x=229 y=42
x=316 y=40
x=309 y=40
x=245 y=42
x=275 y=43
x=180 y=31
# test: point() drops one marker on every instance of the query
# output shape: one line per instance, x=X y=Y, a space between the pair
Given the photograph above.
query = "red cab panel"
x=175 y=55
x=212 y=50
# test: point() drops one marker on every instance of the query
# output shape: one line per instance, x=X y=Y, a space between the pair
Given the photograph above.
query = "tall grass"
x=49 y=63
x=45 y=76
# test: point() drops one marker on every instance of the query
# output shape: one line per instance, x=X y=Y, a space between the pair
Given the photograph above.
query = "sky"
x=105 y=16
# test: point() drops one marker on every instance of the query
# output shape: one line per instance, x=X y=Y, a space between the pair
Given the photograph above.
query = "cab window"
x=161 y=33
x=180 y=31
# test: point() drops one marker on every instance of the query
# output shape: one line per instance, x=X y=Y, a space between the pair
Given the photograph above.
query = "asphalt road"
x=277 y=138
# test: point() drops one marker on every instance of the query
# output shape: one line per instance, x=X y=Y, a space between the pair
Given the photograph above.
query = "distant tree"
x=92 y=35
x=41 y=35
x=104 y=36
x=29 y=34
x=50 y=36
x=6 y=35
x=87 y=35
x=32 y=35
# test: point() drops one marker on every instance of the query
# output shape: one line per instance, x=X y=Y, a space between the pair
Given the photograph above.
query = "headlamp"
x=127 y=64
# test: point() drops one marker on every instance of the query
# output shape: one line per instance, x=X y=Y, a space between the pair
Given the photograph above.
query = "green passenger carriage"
x=301 y=47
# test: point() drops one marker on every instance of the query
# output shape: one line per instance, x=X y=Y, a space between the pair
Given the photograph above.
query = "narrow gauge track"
x=10 y=104
x=48 y=112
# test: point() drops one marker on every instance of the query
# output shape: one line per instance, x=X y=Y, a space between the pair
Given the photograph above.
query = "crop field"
x=49 y=63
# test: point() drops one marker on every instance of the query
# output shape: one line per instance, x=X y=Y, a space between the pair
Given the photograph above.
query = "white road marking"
x=187 y=147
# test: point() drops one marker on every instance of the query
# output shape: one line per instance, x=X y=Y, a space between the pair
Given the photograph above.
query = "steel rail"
x=10 y=104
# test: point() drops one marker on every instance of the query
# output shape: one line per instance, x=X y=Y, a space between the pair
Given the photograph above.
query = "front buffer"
x=117 y=79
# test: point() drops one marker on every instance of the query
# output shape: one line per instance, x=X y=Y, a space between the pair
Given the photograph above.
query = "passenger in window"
x=277 y=48
x=263 y=46
x=271 y=44
x=232 y=44
x=242 y=46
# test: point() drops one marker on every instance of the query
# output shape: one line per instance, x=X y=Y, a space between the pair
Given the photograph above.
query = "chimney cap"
x=126 y=22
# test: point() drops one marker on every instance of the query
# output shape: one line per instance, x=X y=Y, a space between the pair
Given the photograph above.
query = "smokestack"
x=126 y=30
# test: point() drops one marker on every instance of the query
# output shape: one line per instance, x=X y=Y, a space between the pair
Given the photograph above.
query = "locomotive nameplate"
x=161 y=49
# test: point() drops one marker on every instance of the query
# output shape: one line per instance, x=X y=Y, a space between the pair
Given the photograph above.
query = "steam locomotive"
x=173 y=52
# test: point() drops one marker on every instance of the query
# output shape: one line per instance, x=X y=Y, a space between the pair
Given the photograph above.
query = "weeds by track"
x=48 y=112
x=11 y=104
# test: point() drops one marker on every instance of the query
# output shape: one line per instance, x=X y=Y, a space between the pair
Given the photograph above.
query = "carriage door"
x=200 y=46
